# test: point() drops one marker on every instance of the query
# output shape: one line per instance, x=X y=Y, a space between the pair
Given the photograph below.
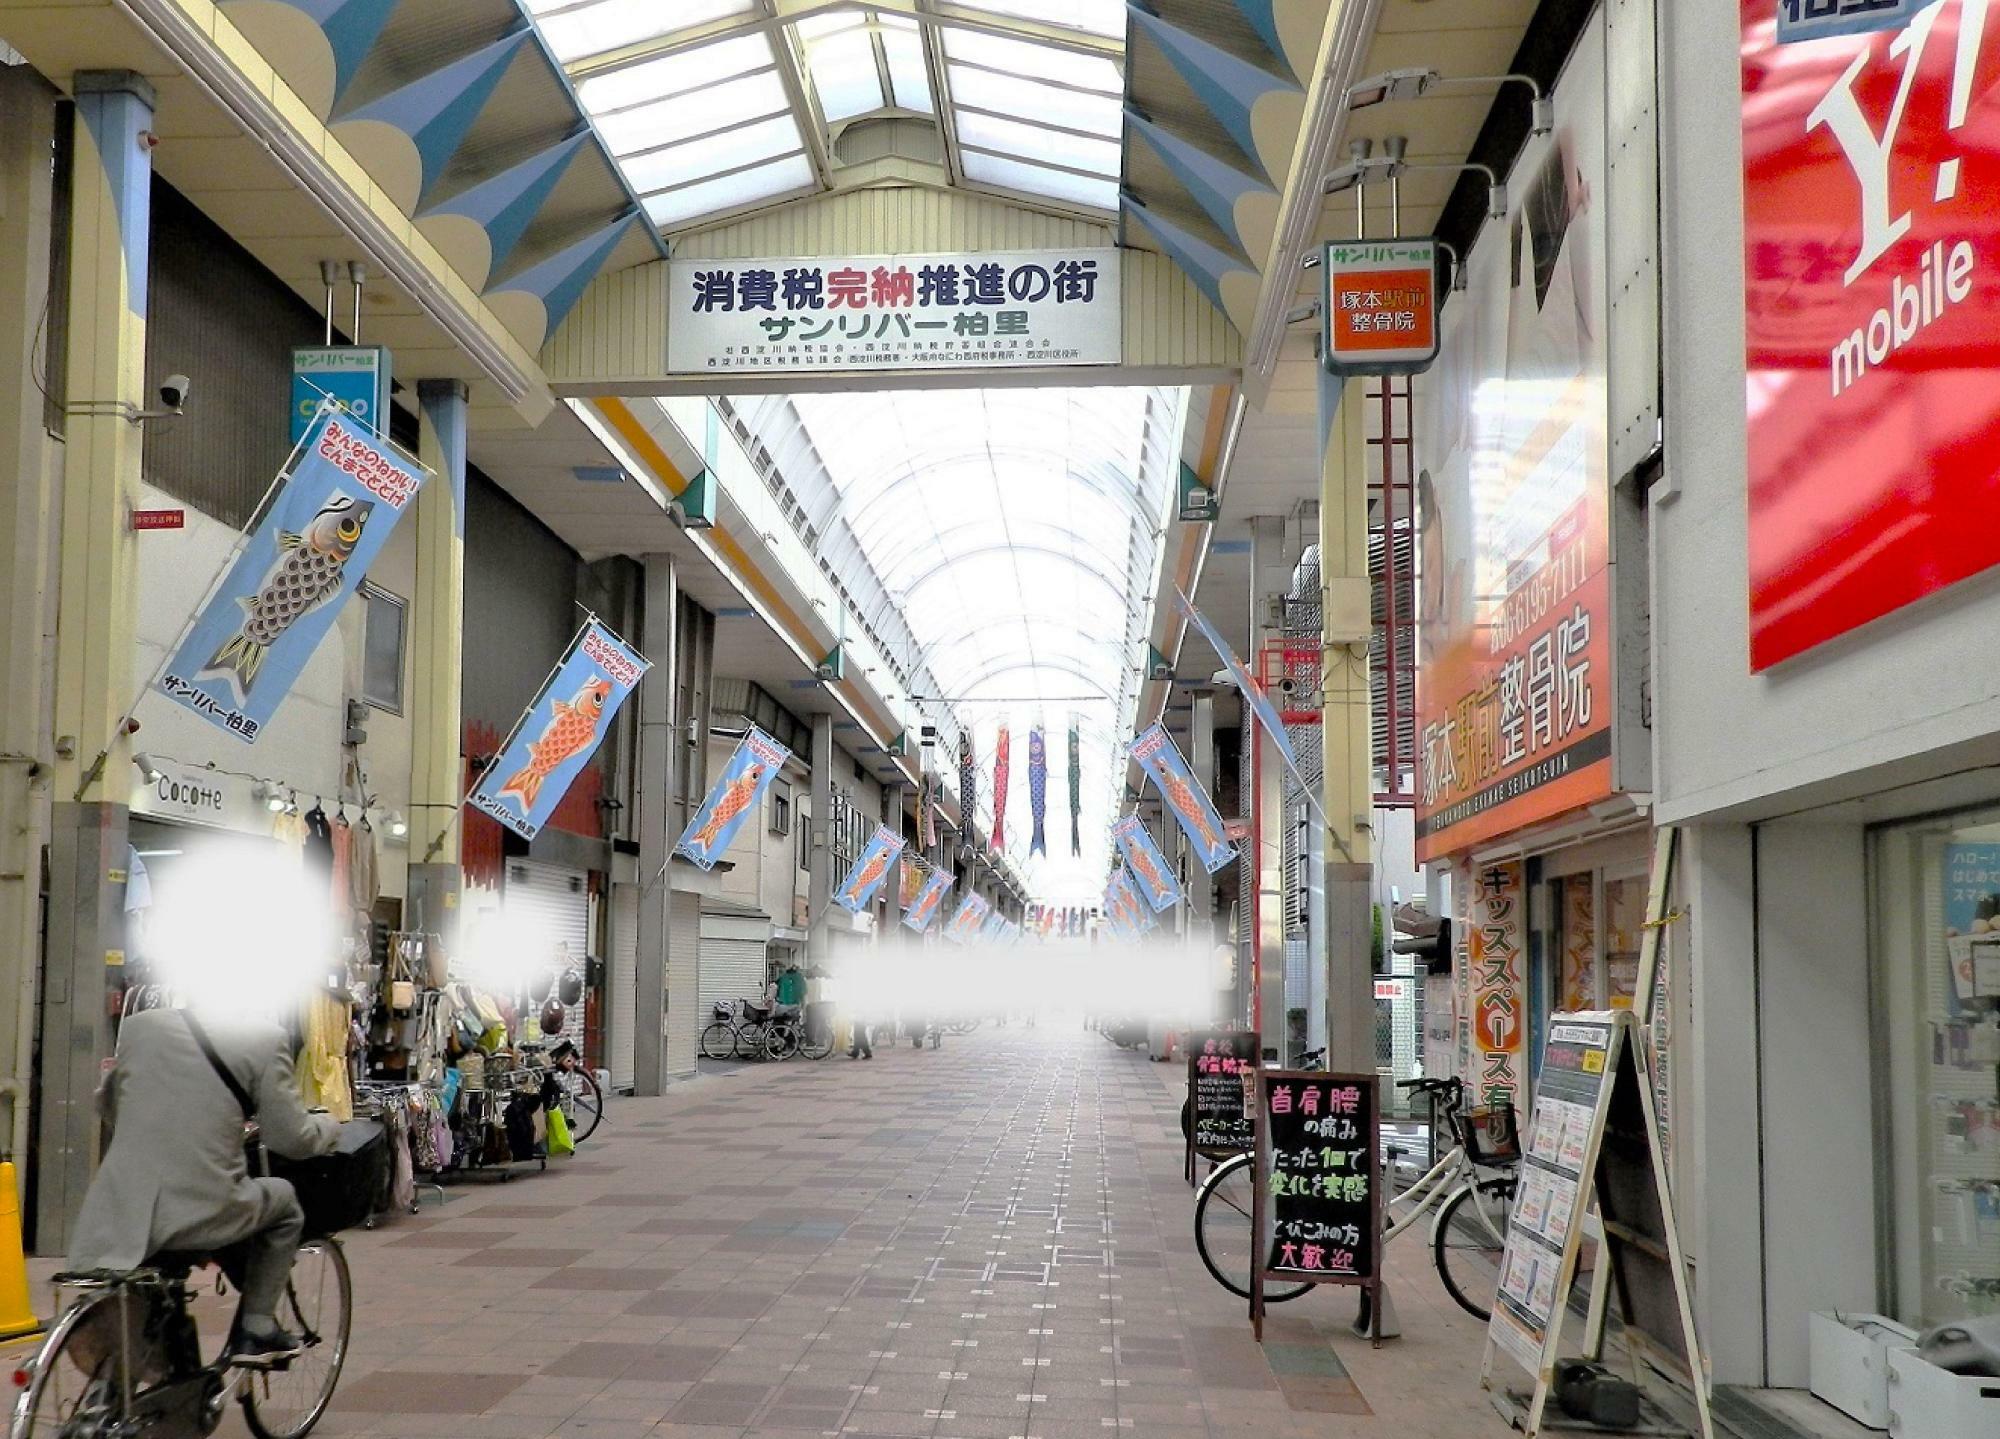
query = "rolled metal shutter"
x=624 y=981
x=732 y=960
x=556 y=902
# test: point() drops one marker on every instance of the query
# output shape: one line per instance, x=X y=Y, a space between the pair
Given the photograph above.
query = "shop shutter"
x=624 y=980
x=685 y=1015
x=556 y=902
x=732 y=959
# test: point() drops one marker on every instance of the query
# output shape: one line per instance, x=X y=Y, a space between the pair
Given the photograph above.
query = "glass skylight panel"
x=904 y=50
x=728 y=149
x=727 y=192
x=844 y=73
x=1098 y=17
x=677 y=73
x=1028 y=99
x=1038 y=142
x=698 y=112
x=1040 y=180
x=578 y=30
x=1036 y=62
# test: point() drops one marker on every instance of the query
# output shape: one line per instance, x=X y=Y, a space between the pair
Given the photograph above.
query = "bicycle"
x=582 y=1098
x=786 y=1035
x=1468 y=1232
x=125 y=1357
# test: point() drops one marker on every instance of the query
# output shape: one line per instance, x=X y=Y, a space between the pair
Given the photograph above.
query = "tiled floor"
x=985 y=1241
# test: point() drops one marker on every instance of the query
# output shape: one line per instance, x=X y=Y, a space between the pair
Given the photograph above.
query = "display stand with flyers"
x=1594 y=1168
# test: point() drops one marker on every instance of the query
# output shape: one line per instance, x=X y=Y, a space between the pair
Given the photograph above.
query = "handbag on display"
x=559 y=1136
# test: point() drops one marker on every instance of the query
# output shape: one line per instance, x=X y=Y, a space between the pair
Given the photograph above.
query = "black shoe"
x=264 y=1351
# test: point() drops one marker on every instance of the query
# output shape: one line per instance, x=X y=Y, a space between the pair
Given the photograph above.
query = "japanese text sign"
x=1147 y=866
x=734 y=798
x=921 y=910
x=330 y=518
x=560 y=731
x=1317 y=1168
x=1161 y=759
x=1872 y=332
x=871 y=868
x=1222 y=1071
x=1514 y=614
x=1379 y=306
x=1496 y=962
x=975 y=310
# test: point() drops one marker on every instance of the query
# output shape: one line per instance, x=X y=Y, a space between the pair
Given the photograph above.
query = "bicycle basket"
x=342 y=1189
x=1490 y=1135
x=723 y=1011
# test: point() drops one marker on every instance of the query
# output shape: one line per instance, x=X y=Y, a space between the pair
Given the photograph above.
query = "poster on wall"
x=1513 y=518
x=1870 y=162
x=343 y=493
x=973 y=310
x=560 y=731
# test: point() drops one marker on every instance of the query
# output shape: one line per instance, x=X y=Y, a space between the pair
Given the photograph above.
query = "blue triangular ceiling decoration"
x=507 y=204
x=351 y=28
x=1261 y=17
x=558 y=281
x=1216 y=187
x=438 y=110
x=1203 y=263
x=1230 y=88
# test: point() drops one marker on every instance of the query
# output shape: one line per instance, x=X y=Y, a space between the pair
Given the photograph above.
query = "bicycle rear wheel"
x=318 y=1307
x=718 y=1041
x=1467 y=1242
x=781 y=1041
x=750 y=1041
x=1222 y=1231
x=583 y=1103
x=82 y=1379
x=818 y=1048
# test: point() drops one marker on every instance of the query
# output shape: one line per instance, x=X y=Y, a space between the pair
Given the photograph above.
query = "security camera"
x=174 y=392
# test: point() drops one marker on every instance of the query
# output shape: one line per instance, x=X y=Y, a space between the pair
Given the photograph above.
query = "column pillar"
x=110 y=235
x=27 y=132
x=1270 y=577
x=437 y=642
x=1345 y=729
x=819 y=873
x=892 y=889
x=659 y=825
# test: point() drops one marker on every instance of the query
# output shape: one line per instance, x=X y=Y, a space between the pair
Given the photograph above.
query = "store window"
x=781 y=807
x=1937 y=972
x=382 y=648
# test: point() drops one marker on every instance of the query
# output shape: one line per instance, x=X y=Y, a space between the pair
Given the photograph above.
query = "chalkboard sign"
x=1318 y=1195
x=1221 y=1079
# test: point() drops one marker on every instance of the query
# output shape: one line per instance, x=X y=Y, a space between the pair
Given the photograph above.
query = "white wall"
x=1908 y=696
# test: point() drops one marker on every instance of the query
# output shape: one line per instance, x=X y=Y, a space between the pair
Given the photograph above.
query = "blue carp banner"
x=1160 y=757
x=560 y=731
x=342 y=495
x=871 y=867
x=1268 y=718
x=1155 y=877
x=1038 y=788
x=1123 y=894
x=972 y=910
x=735 y=797
x=919 y=913
x=995 y=928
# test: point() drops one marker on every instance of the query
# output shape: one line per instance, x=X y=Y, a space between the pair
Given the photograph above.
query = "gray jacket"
x=174 y=1176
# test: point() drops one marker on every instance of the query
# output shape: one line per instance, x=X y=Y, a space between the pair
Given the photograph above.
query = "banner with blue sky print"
x=871 y=868
x=736 y=794
x=1160 y=757
x=1148 y=867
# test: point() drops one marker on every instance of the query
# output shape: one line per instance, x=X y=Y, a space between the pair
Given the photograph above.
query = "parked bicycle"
x=745 y=1032
x=1467 y=1195
x=582 y=1099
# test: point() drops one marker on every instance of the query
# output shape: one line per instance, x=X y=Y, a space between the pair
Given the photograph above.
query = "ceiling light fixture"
x=1384 y=167
x=1416 y=82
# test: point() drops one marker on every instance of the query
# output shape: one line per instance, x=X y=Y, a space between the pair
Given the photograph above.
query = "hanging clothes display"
x=1038 y=788
x=322 y=1061
x=1000 y=748
x=363 y=885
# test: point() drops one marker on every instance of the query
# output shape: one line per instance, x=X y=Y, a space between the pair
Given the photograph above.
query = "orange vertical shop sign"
x=1514 y=643
x=1498 y=984
x=1380 y=306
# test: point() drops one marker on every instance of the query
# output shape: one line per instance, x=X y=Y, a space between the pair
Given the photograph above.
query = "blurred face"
x=240 y=936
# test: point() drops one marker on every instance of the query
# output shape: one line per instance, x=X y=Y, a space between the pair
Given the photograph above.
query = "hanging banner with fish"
x=968 y=789
x=972 y=911
x=871 y=867
x=560 y=731
x=1122 y=894
x=337 y=502
x=919 y=913
x=1160 y=757
x=1268 y=718
x=995 y=928
x=1075 y=789
x=735 y=797
x=1000 y=749
x=1155 y=877
x=1038 y=787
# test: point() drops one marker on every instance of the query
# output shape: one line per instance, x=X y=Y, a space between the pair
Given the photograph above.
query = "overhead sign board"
x=1869 y=312
x=971 y=310
x=1379 y=306
x=354 y=377
x=1815 y=19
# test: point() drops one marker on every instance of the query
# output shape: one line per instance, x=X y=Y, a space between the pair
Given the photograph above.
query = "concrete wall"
x=1903 y=698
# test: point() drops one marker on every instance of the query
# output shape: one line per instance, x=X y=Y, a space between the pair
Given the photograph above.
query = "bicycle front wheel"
x=84 y=1377
x=582 y=1102
x=1468 y=1240
x=318 y=1307
x=781 y=1041
x=718 y=1041
x=750 y=1041
x=1222 y=1231
x=818 y=1048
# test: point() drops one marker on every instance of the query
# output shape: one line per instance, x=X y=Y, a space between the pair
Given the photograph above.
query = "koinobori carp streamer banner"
x=871 y=867
x=1148 y=867
x=343 y=494
x=919 y=912
x=737 y=793
x=1160 y=757
x=560 y=732
x=972 y=911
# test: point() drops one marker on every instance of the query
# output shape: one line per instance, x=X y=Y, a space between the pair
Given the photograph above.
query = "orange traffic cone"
x=17 y=1312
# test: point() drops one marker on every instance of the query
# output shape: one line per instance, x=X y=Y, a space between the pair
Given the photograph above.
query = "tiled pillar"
x=659 y=825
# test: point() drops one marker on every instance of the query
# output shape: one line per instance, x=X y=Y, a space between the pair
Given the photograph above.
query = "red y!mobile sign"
x=1871 y=166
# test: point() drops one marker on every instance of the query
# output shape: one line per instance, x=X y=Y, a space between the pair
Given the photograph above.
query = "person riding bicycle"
x=174 y=1177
